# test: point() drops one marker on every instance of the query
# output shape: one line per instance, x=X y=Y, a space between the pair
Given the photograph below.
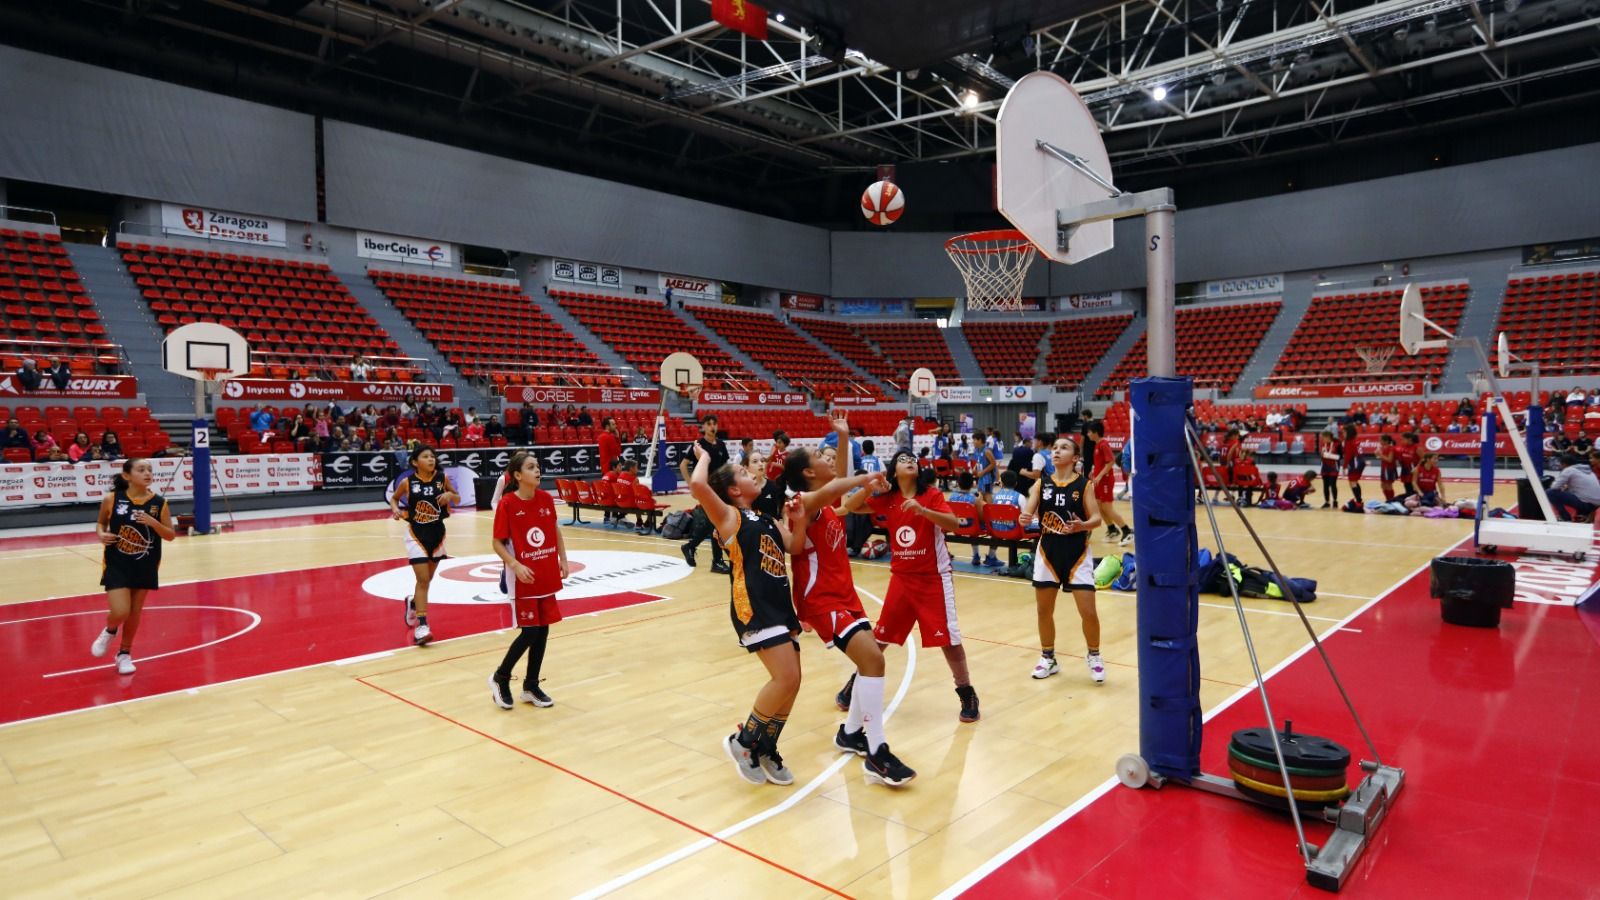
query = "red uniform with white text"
x=1104 y=457
x=823 y=588
x=921 y=588
x=530 y=526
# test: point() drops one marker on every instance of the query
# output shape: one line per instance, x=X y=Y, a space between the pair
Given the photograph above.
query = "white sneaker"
x=411 y=612
x=421 y=635
x=101 y=642
x=536 y=697
x=125 y=664
x=1046 y=667
x=1097 y=668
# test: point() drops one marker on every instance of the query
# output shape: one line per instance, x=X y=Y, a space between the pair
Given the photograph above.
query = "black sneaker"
x=721 y=568
x=688 y=555
x=969 y=702
x=500 y=692
x=411 y=611
x=842 y=699
x=851 y=741
x=532 y=694
x=885 y=768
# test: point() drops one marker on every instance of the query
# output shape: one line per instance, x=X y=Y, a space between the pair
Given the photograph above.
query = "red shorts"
x=1105 y=489
x=834 y=623
x=532 y=611
x=927 y=601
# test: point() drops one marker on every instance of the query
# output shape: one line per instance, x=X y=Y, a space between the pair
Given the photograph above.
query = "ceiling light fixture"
x=969 y=100
x=1158 y=93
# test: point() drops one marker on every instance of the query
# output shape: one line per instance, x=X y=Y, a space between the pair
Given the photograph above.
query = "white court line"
x=352 y=660
x=794 y=797
x=255 y=620
x=1004 y=856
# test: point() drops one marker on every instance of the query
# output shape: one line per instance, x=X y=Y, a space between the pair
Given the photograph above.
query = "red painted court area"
x=1498 y=731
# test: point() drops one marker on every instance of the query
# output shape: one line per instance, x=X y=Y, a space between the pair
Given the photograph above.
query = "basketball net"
x=211 y=378
x=993 y=264
x=1375 y=358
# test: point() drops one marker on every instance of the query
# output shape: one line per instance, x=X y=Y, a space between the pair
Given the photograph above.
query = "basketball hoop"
x=211 y=377
x=993 y=264
x=1375 y=358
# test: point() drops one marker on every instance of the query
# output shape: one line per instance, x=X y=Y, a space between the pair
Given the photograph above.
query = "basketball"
x=882 y=202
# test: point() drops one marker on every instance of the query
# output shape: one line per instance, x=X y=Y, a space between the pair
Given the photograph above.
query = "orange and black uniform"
x=134 y=560
x=425 y=515
x=759 y=604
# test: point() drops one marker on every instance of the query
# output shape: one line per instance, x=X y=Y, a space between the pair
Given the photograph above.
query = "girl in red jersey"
x=1103 y=480
x=759 y=605
x=1299 y=486
x=1430 y=487
x=921 y=587
x=826 y=602
x=1354 y=464
x=1388 y=466
x=1329 y=450
x=528 y=540
x=1405 y=456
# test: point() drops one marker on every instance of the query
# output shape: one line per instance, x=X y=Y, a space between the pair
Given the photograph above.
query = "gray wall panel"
x=905 y=264
x=389 y=182
x=86 y=127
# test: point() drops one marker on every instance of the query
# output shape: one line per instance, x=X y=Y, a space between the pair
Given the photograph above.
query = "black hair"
x=1386 y=439
x=925 y=477
x=1008 y=479
x=965 y=481
x=1570 y=458
x=710 y=417
x=795 y=463
x=721 y=479
x=120 y=482
x=1095 y=428
x=867 y=447
x=780 y=435
x=1272 y=476
x=1048 y=437
x=1349 y=431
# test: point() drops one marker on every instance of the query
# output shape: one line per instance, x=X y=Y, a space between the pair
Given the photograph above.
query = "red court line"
x=607 y=788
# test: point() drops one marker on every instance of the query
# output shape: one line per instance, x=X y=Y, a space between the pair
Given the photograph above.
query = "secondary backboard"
x=922 y=384
x=1411 y=320
x=681 y=372
x=219 y=350
x=1502 y=356
x=1033 y=185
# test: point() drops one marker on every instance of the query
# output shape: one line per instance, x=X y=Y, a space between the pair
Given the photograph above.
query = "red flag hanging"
x=742 y=16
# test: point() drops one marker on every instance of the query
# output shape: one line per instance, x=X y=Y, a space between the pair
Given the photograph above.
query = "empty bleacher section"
x=759 y=424
x=1553 y=320
x=844 y=339
x=645 y=331
x=1213 y=345
x=297 y=315
x=1323 y=348
x=1077 y=344
x=784 y=350
x=48 y=313
x=138 y=434
x=911 y=345
x=1006 y=351
x=490 y=330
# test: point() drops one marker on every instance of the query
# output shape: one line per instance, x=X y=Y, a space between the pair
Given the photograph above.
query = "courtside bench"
x=604 y=496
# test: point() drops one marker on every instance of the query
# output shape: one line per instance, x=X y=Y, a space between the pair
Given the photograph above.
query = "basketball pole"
x=200 y=453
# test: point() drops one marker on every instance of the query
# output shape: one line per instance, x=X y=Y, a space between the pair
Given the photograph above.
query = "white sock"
x=869 y=695
x=852 y=719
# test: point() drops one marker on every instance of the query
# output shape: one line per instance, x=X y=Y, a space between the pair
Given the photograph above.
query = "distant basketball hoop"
x=1376 y=358
x=993 y=265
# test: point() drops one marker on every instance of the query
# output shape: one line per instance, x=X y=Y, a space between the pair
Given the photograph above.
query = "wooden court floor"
x=396 y=776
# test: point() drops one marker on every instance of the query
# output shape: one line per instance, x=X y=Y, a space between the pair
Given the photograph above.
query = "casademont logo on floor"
x=597 y=580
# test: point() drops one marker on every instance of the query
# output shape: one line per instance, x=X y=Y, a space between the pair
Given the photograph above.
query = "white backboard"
x=205 y=345
x=1031 y=184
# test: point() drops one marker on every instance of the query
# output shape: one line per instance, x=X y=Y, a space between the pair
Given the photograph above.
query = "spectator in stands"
x=640 y=436
x=470 y=417
x=360 y=369
x=1464 y=408
x=321 y=430
x=1576 y=492
x=29 y=376
x=571 y=416
x=261 y=420
x=43 y=444
x=472 y=431
x=585 y=418
x=492 y=429
x=60 y=374
x=80 y=448
x=110 y=446
x=408 y=405
x=15 y=437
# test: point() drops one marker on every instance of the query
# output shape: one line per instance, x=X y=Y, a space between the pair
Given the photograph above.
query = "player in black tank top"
x=759 y=606
x=1068 y=513
x=428 y=496
x=133 y=522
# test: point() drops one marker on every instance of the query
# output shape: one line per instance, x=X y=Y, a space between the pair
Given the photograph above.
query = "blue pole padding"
x=201 y=460
x=663 y=480
x=1485 y=468
x=1535 y=436
x=1166 y=546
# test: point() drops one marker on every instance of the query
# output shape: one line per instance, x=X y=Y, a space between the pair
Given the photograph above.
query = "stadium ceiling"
x=657 y=92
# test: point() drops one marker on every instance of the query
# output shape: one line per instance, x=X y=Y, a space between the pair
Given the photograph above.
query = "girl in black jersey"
x=133 y=522
x=759 y=604
x=428 y=495
x=1067 y=513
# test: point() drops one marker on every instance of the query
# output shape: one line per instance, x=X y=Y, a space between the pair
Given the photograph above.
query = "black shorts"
x=130 y=576
x=779 y=635
x=1067 y=565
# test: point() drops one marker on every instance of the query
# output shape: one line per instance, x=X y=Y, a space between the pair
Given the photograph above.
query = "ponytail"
x=119 y=482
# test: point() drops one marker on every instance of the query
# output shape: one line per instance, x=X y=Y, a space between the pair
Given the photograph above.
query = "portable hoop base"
x=993 y=265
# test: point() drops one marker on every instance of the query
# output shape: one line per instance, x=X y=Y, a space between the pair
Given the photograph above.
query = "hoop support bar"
x=1079 y=163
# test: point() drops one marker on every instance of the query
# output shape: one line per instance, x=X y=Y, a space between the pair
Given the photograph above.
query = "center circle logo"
x=591 y=573
x=905 y=535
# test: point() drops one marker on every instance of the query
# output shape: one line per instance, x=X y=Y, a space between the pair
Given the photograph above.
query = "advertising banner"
x=118 y=387
x=855 y=400
x=739 y=398
x=539 y=396
x=691 y=288
x=1564 y=252
x=1260 y=285
x=1314 y=391
x=250 y=390
x=216 y=225
x=871 y=307
x=983 y=393
x=33 y=484
x=371 y=245
x=805 y=302
x=592 y=274
x=1090 y=302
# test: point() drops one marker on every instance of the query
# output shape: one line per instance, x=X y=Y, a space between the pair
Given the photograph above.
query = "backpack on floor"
x=675 y=527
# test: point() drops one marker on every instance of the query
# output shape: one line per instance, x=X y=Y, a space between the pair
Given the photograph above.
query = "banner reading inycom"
x=248 y=390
